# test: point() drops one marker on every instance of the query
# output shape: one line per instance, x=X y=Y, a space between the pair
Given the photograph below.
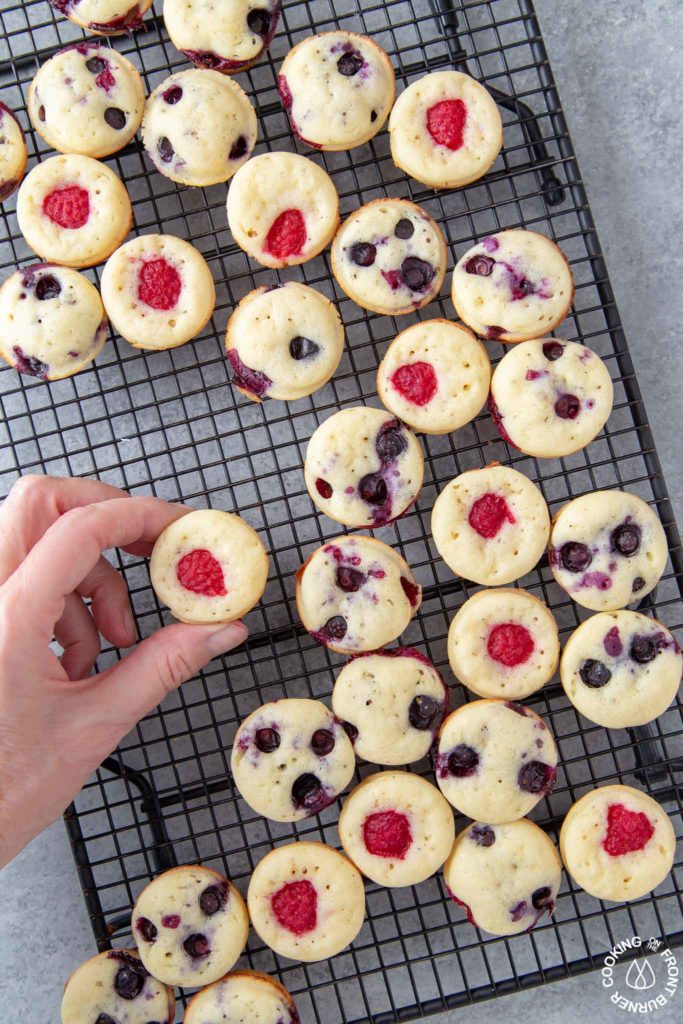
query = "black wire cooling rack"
x=171 y=424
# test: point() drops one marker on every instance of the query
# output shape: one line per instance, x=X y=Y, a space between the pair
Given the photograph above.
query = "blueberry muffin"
x=13 y=153
x=607 y=549
x=445 y=129
x=306 y=901
x=550 y=398
x=505 y=877
x=104 y=17
x=391 y=704
x=158 y=291
x=52 y=321
x=190 y=925
x=513 y=286
x=621 y=669
x=228 y=37
x=199 y=127
x=283 y=342
x=390 y=257
x=337 y=88
x=73 y=210
x=87 y=99
x=490 y=525
x=495 y=760
x=291 y=759
x=617 y=843
x=396 y=828
x=356 y=594
x=209 y=566
x=503 y=643
x=363 y=467
x=283 y=209
x=245 y=997
x=435 y=376
x=115 y=986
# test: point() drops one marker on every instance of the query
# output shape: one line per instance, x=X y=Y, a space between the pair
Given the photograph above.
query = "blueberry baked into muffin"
x=116 y=986
x=13 y=153
x=243 y=996
x=104 y=17
x=226 y=37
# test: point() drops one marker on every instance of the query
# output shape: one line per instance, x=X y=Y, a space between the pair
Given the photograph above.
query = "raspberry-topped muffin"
x=209 y=566
x=490 y=525
x=391 y=703
x=396 y=828
x=283 y=209
x=356 y=594
x=52 y=321
x=73 y=210
x=607 y=549
x=550 y=398
x=104 y=17
x=503 y=643
x=87 y=99
x=513 y=286
x=505 y=877
x=390 y=256
x=617 y=843
x=199 y=127
x=227 y=37
x=116 y=986
x=291 y=758
x=13 y=153
x=245 y=997
x=446 y=130
x=435 y=376
x=363 y=467
x=621 y=669
x=306 y=901
x=495 y=760
x=158 y=291
x=337 y=88
x=190 y=925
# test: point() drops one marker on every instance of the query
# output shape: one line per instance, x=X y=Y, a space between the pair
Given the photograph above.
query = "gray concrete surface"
x=619 y=68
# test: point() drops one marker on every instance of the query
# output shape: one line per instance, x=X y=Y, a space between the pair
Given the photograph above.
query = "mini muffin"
x=283 y=209
x=229 y=37
x=209 y=566
x=363 y=467
x=513 y=286
x=291 y=758
x=13 y=153
x=396 y=828
x=52 y=321
x=306 y=901
x=199 y=127
x=621 y=669
x=390 y=256
x=191 y=926
x=243 y=996
x=607 y=549
x=617 y=843
x=505 y=877
x=495 y=760
x=434 y=376
x=283 y=342
x=550 y=398
x=337 y=88
x=490 y=525
x=87 y=99
x=104 y=17
x=115 y=985
x=73 y=210
x=503 y=643
x=445 y=129
x=158 y=291
x=356 y=594
x=391 y=704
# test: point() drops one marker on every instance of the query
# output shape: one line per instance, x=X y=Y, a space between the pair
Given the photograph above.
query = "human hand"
x=58 y=722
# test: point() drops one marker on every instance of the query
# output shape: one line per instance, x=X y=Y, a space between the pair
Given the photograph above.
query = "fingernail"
x=227 y=637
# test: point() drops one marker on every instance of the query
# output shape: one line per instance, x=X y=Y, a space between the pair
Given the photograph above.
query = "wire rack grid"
x=170 y=423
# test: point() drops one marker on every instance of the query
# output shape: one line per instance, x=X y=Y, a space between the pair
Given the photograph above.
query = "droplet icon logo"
x=640 y=976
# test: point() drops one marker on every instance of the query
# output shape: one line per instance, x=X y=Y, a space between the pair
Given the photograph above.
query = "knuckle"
x=175 y=669
x=30 y=487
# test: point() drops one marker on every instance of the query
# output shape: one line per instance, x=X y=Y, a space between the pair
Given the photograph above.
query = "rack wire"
x=170 y=423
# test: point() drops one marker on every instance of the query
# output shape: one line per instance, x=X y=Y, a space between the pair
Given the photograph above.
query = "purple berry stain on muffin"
x=30 y=366
x=536 y=777
x=482 y=835
x=252 y=381
x=612 y=642
x=461 y=762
